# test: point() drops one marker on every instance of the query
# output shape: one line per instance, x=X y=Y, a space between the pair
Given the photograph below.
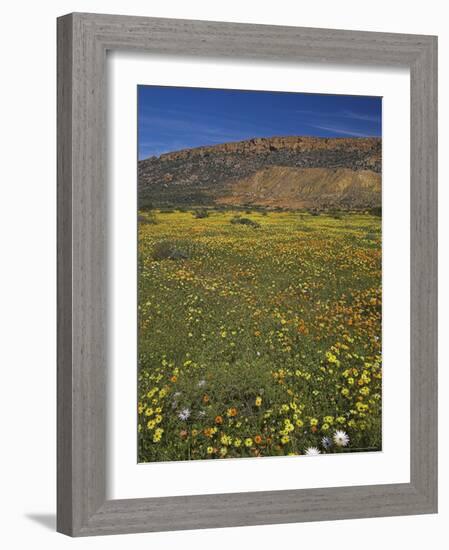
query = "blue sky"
x=170 y=119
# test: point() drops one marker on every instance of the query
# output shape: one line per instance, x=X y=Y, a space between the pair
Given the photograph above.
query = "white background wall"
x=27 y=273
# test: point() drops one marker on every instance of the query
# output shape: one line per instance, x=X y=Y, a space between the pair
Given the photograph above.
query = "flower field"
x=258 y=338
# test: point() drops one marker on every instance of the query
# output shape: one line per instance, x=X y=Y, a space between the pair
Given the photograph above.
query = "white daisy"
x=341 y=438
x=326 y=442
x=201 y=383
x=312 y=451
x=184 y=414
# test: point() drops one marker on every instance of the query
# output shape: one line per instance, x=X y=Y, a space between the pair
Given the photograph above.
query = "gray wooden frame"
x=83 y=40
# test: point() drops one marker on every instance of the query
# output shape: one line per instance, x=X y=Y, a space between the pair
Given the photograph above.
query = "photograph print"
x=259 y=274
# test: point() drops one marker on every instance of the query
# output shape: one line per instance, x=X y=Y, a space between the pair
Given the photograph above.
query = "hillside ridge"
x=207 y=175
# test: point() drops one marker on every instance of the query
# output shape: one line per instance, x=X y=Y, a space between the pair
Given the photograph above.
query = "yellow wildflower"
x=158 y=435
x=226 y=439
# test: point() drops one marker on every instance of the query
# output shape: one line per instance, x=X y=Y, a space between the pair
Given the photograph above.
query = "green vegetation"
x=147 y=217
x=200 y=214
x=244 y=221
x=258 y=343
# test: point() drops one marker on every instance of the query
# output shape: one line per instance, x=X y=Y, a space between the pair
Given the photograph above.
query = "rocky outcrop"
x=206 y=175
x=311 y=188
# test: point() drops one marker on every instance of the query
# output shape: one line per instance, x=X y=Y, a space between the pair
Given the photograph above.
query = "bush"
x=145 y=203
x=148 y=218
x=244 y=221
x=371 y=236
x=199 y=214
x=166 y=250
x=376 y=211
x=335 y=214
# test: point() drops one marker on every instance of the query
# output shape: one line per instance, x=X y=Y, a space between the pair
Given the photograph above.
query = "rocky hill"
x=291 y=171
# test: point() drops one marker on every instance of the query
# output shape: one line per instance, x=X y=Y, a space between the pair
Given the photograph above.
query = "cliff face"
x=210 y=175
x=314 y=188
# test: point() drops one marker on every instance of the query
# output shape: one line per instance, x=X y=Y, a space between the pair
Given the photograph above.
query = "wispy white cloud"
x=339 y=130
x=360 y=116
x=185 y=120
x=344 y=114
x=179 y=129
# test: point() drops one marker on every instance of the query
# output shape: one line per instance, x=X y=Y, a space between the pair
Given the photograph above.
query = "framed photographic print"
x=246 y=274
x=259 y=274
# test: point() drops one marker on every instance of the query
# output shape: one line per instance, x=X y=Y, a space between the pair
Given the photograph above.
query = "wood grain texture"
x=83 y=40
x=423 y=273
x=64 y=277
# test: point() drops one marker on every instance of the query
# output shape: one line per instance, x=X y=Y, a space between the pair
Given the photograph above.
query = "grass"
x=259 y=343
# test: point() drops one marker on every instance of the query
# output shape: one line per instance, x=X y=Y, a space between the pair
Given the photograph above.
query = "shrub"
x=199 y=214
x=371 y=236
x=145 y=203
x=376 y=211
x=148 y=218
x=244 y=221
x=166 y=250
x=335 y=214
